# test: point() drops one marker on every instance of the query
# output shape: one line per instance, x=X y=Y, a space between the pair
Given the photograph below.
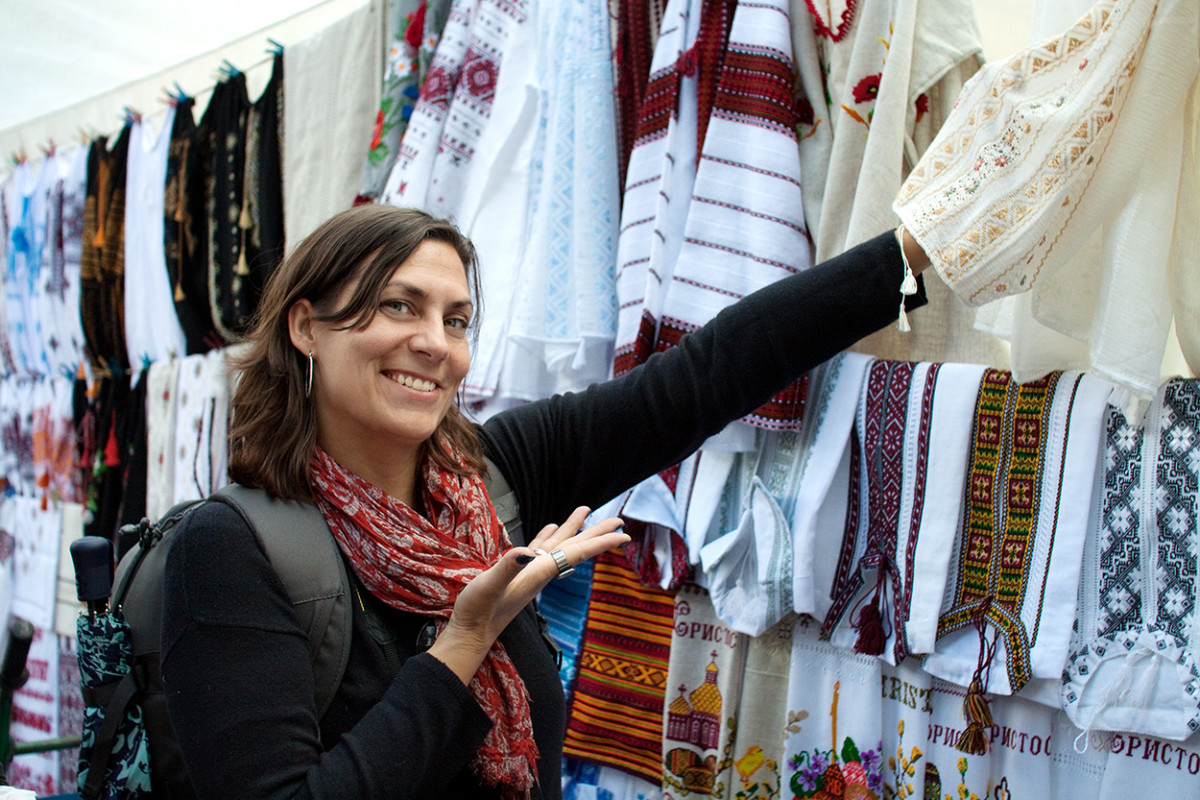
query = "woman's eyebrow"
x=418 y=293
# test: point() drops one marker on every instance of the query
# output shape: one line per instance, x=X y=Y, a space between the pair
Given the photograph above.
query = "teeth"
x=415 y=383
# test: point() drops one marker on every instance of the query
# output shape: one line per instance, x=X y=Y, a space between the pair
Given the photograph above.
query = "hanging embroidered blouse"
x=562 y=321
x=414 y=28
x=1134 y=664
x=185 y=232
x=8 y=364
x=1040 y=181
x=408 y=182
x=64 y=345
x=112 y=254
x=877 y=79
x=223 y=154
x=261 y=220
x=24 y=204
x=1015 y=562
x=914 y=424
x=152 y=330
x=95 y=206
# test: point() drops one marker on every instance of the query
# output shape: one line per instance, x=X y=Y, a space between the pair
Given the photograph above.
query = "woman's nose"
x=430 y=339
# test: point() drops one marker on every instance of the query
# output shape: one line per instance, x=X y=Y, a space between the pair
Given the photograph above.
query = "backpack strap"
x=504 y=500
x=508 y=508
x=306 y=557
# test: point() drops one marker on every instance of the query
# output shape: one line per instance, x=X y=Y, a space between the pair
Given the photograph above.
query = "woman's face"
x=389 y=385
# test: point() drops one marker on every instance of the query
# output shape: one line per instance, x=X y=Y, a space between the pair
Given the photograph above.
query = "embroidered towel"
x=616 y=713
x=745 y=226
x=819 y=506
x=408 y=181
x=704 y=686
x=658 y=187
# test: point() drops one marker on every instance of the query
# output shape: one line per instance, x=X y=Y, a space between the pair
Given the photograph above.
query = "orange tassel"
x=979 y=718
x=973 y=741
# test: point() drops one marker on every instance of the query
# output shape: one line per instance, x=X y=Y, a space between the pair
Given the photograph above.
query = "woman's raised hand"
x=495 y=597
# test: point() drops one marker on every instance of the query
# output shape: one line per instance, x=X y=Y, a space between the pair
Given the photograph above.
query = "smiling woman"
x=360 y=294
x=346 y=400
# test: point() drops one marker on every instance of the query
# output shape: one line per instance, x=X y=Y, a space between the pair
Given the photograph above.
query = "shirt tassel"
x=976 y=711
x=871 y=634
x=908 y=285
x=979 y=718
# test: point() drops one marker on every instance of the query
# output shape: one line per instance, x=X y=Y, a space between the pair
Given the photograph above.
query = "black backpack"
x=291 y=533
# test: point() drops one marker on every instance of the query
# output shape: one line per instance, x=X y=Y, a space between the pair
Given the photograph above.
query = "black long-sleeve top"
x=236 y=663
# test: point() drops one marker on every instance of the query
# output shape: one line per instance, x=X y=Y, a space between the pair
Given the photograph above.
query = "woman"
x=347 y=398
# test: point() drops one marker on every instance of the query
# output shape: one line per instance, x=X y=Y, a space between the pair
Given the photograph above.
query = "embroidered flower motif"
x=804 y=110
x=377 y=134
x=922 y=105
x=415 y=30
x=866 y=89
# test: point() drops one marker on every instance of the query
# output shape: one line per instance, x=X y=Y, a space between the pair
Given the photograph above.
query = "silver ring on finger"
x=560 y=560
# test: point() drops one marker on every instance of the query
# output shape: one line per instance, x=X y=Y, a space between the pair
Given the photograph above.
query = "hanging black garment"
x=263 y=237
x=132 y=439
x=223 y=136
x=91 y=307
x=107 y=484
x=185 y=234
x=112 y=257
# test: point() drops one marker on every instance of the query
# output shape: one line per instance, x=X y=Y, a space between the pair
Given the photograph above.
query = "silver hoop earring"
x=308 y=386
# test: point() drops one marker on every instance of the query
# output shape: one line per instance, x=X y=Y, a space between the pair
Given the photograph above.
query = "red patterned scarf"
x=420 y=565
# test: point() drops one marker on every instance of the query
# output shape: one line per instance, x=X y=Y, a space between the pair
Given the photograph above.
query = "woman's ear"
x=301 y=317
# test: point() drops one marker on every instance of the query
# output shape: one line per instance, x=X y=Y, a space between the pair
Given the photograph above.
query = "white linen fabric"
x=321 y=169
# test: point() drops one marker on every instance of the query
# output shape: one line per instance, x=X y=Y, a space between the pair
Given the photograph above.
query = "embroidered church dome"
x=706 y=699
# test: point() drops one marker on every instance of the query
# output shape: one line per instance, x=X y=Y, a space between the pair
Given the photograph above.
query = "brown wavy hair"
x=273 y=426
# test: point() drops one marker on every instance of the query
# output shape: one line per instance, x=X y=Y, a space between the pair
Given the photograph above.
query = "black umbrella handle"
x=92 y=556
x=13 y=674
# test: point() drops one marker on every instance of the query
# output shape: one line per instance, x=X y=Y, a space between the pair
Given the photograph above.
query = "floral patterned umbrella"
x=104 y=672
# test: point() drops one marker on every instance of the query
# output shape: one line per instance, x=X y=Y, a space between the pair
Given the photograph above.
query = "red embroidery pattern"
x=822 y=27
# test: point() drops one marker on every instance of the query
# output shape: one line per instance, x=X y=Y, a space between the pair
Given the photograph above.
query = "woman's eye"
x=398 y=305
x=457 y=322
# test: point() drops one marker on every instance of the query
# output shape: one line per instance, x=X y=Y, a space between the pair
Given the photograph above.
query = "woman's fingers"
x=577 y=545
x=555 y=533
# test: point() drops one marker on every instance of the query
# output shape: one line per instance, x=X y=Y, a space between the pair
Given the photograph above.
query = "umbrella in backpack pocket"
x=114 y=760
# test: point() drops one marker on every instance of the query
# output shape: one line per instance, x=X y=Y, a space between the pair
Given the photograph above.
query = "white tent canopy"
x=69 y=67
